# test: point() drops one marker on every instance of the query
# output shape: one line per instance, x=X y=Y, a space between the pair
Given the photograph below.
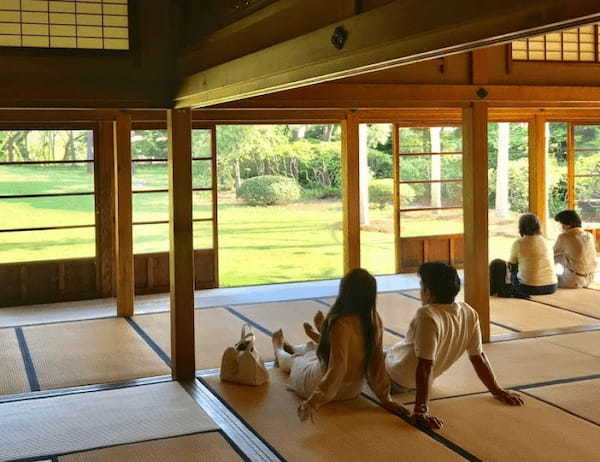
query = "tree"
x=363 y=172
x=502 y=204
x=435 y=134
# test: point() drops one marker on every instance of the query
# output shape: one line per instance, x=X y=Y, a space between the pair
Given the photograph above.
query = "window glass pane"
x=201 y=143
x=431 y=167
x=508 y=184
x=150 y=238
x=149 y=144
x=587 y=192
x=431 y=223
x=27 y=246
x=39 y=212
x=203 y=235
x=430 y=139
x=202 y=204
x=430 y=195
x=295 y=241
x=46 y=145
x=587 y=162
x=150 y=175
x=556 y=171
x=150 y=207
x=201 y=173
x=24 y=179
x=377 y=213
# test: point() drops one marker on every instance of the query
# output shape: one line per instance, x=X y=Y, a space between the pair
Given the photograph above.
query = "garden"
x=279 y=193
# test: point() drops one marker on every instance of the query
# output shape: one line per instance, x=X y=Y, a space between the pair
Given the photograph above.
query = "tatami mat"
x=288 y=316
x=493 y=431
x=583 y=301
x=526 y=315
x=13 y=377
x=518 y=362
x=350 y=430
x=580 y=398
x=88 y=352
x=584 y=342
x=204 y=447
x=82 y=421
x=215 y=328
x=494 y=328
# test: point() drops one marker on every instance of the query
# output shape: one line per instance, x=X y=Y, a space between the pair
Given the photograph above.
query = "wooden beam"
x=123 y=216
x=538 y=199
x=479 y=67
x=332 y=96
x=104 y=154
x=351 y=185
x=475 y=203
x=181 y=256
x=401 y=32
x=396 y=180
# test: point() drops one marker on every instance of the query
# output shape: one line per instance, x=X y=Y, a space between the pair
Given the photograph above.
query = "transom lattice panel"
x=92 y=24
x=572 y=45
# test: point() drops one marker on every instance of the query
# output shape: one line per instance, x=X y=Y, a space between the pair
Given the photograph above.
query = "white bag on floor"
x=242 y=363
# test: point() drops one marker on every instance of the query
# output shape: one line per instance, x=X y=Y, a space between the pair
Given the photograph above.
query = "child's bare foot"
x=318 y=320
x=278 y=340
x=314 y=336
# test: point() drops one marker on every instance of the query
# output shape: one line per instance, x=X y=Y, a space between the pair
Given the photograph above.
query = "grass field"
x=296 y=242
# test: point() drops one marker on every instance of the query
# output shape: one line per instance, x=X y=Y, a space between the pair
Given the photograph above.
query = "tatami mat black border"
x=550 y=403
x=43 y=394
x=432 y=434
x=247 y=320
x=55 y=457
x=239 y=417
x=149 y=341
x=32 y=378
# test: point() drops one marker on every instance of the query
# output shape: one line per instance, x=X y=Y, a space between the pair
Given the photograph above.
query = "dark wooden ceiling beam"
x=400 y=32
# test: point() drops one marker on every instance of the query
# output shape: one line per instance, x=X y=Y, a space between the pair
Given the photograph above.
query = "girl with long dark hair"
x=347 y=351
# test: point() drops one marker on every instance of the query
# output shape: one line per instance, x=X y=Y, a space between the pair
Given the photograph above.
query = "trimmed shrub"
x=268 y=190
x=381 y=192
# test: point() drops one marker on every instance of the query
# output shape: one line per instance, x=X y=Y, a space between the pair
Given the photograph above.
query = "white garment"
x=575 y=250
x=535 y=260
x=440 y=333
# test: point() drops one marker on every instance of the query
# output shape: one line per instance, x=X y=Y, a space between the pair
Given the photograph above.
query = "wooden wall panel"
x=79 y=278
x=33 y=283
x=414 y=251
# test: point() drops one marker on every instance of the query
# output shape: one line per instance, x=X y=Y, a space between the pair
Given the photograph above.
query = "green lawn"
x=296 y=242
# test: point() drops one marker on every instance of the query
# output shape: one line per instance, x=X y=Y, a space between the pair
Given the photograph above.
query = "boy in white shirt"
x=575 y=250
x=441 y=331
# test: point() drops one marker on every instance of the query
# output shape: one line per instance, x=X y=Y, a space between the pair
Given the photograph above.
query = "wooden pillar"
x=350 y=192
x=181 y=256
x=538 y=201
x=475 y=198
x=571 y=199
x=396 y=189
x=104 y=178
x=123 y=216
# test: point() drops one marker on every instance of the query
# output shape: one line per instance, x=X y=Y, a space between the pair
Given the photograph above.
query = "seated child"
x=575 y=250
x=347 y=351
x=441 y=331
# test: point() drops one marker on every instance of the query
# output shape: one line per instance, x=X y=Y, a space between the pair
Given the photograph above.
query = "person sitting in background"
x=531 y=263
x=575 y=250
x=441 y=331
x=347 y=350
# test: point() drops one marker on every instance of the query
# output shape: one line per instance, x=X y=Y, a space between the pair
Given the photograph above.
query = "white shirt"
x=535 y=260
x=440 y=333
x=575 y=249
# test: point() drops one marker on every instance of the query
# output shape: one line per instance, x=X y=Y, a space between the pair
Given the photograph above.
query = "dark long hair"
x=357 y=297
